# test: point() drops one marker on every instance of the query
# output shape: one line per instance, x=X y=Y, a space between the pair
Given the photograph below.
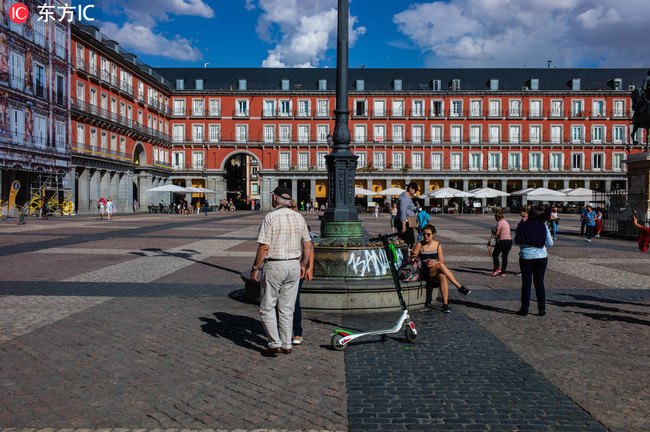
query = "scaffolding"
x=51 y=189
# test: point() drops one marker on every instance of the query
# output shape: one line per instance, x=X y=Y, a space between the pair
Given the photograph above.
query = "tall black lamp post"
x=341 y=218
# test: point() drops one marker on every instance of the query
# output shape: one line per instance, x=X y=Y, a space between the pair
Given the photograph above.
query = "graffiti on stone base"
x=371 y=262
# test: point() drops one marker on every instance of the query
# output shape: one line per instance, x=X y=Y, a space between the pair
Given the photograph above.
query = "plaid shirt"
x=284 y=230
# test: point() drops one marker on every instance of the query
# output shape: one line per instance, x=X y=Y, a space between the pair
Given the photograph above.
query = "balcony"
x=241 y=114
x=322 y=114
x=379 y=113
x=398 y=113
x=179 y=112
x=198 y=114
x=418 y=114
x=302 y=114
x=535 y=114
x=214 y=113
x=87 y=149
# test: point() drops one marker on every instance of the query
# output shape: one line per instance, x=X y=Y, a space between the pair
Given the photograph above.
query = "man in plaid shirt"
x=284 y=249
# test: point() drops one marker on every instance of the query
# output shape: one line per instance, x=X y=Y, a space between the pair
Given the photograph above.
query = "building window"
x=379 y=133
x=360 y=108
x=535 y=161
x=534 y=84
x=535 y=134
x=197 y=160
x=286 y=84
x=494 y=84
x=577 y=161
x=242 y=84
x=436 y=161
x=475 y=161
x=397 y=85
x=213 y=132
x=556 y=134
x=456 y=108
x=577 y=108
x=321 y=133
x=597 y=134
x=40 y=31
x=17 y=70
x=360 y=85
x=103 y=140
x=322 y=84
x=59 y=43
x=535 y=108
x=197 y=133
x=598 y=108
x=619 y=108
x=180 y=84
x=475 y=134
x=303 y=108
x=113 y=142
x=398 y=133
x=437 y=108
x=577 y=134
x=359 y=133
x=514 y=134
x=417 y=161
x=617 y=161
x=456 y=133
x=618 y=134
x=495 y=108
x=198 y=108
x=556 y=108
x=379 y=108
x=494 y=134
x=556 y=161
x=242 y=108
x=241 y=133
x=362 y=161
x=494 y=161
x=322 y=164
x=398 y=160
x=163 y=154
x=575 y=84
x=597 y=161
x=81 y=134
x=417 y=108
x=284 y=133
x=322 y=108
x=269 y=133
x=475 y=108
x=515 y=108
x=398 y=108
x=417 y=134
x=284 y=160
x=303 y=160
x=178 y=133
x=436 y=85
x=379 y=160
x=303 y=133
x=455 y=84
x=178 y=160
x=215 y=107
x=514 y=161
x=284 y=108
x=436 y=134
x=269 y=108
x=456 y=161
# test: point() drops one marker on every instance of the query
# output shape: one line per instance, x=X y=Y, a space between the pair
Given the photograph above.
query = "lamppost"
x=341 y=218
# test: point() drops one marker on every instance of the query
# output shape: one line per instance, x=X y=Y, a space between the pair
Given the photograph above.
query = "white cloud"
x=138 y=32
x=515 y=33
x=302 y=31
x=143 y=40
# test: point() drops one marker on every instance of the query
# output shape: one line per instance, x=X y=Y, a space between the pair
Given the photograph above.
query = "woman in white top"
x=109 y=208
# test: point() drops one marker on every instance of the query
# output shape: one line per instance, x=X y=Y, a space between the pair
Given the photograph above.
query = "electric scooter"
x=341 y=338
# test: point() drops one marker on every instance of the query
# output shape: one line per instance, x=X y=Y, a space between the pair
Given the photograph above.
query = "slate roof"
x=413 y=80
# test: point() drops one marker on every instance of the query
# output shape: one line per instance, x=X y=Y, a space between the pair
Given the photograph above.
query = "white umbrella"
x=168 y=188
x=544 y=194
x=449 y=192
x=393 y=191
x=362 y=191
x=522 y=192
x=578 y=194
x=487 y=193
x=195 y=189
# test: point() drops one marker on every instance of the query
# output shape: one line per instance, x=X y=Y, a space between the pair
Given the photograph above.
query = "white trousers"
x=279 y=288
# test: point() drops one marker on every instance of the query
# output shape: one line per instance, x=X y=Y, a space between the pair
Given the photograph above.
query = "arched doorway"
x=242 y=179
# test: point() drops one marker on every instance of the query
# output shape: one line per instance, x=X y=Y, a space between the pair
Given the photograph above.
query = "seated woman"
x=433 y=266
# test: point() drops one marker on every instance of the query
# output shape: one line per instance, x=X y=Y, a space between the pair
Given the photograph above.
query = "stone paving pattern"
x=135 y=324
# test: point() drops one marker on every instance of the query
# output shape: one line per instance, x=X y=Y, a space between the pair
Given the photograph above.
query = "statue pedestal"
x=638 y=185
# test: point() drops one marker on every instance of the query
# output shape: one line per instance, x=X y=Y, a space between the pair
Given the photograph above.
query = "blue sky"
x=384 y=33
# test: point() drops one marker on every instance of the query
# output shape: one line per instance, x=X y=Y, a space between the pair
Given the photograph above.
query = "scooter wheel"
x=410 y=335
x=336 y=342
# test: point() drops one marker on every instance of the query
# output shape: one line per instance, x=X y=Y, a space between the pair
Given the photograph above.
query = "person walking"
x=110 y=207
x=376 y=210
x=554 y=220
x=101 y=205
x=406 y=209
x=284 y=247
x=599 y=223
x=583 y=220
x=503 y=246
x=393 y=215
x=533 y=236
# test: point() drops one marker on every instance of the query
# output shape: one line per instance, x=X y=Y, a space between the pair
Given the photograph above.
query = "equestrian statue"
x=641 y=107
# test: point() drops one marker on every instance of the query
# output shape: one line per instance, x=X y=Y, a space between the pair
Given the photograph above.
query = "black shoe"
x=521 y=312
x=542 y=313
x=428 y=305
x=464 y=291
x=446 y=309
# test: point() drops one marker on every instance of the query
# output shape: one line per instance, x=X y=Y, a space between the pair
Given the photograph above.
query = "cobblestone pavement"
x=133 y=325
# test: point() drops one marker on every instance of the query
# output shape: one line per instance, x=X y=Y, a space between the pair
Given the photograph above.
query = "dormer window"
x=397 y=85
x=455 y=84
x=435 y=85
x=198 y=84
x=534 y=84
x=180 y=84
x=243 y=84
x=494 y=84
x=575 y=84
x=618 y=84
x=322 y=85
x=286 y=84
x=361 y=85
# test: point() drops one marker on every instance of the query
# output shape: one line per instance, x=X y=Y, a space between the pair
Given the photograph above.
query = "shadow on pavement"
x=243 y=331
x=473 y=305
x=584 y=297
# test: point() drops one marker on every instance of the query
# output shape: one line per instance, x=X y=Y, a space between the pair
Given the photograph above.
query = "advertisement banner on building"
x=15 y=186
